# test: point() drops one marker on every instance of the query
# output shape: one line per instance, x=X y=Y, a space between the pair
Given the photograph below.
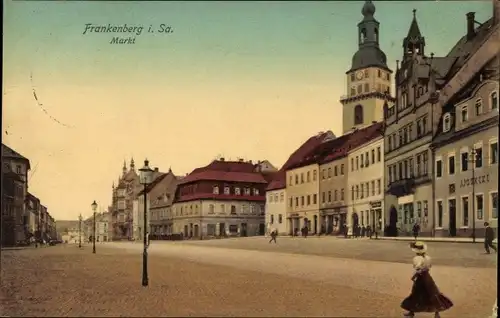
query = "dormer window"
x=247 y=191
x=446 y=122
x=226 y=190
x=216 y=190
x=237 y=191
x=255 y=191
x=479 y=107
x=494 y=100
x=464 y=114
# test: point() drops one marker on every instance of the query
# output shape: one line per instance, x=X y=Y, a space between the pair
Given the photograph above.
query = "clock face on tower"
x=359 y=75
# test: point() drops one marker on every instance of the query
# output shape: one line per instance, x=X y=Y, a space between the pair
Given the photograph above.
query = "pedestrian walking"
x=274 y=234
x=416 y=230
x=489 y=236
x=363 y=231
x=369 y=231
x=425 y=295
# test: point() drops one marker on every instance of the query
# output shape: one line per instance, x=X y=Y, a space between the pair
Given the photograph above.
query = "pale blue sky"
x=249 y=79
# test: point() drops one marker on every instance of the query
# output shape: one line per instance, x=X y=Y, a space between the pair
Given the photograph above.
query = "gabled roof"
x=279 y=178
x=157 y=180
x=8 y=152
x=230 y=171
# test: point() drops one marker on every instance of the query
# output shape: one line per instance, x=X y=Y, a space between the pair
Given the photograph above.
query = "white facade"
x=365 y=185
x=214 y=218
x=276 y=211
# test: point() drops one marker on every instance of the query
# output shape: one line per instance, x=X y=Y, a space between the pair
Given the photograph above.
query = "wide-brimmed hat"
x=418 y=247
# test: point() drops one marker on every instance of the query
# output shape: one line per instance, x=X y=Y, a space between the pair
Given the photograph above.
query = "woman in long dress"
x=425 y=295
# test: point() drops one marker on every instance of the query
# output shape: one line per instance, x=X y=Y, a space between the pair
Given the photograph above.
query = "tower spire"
x=414 y=43
x=132 y=164
x=124 y=169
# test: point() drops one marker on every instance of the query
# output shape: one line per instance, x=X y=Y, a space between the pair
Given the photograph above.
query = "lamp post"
x=94 y=209
x=145 y=176
x=473 y=159
x=80 y=231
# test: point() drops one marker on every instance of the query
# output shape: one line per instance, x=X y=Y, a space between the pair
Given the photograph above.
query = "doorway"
x=392 y=229
x=196 y=230
x=243 y=231
x=453 y=217
x=262 y=229
x=355 y=220
x=315 y=224
x=222 y=229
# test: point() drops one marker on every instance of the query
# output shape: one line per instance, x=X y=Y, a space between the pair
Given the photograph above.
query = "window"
x=272 y=219
x=18 y=169
x=379 y=73
x=464 y=113
x=353 y=78
x=362 y=161
x=357 y=192
x=465 y=211
x=358 y=115
x=446 y=122
x=479 y=157
x=366 y=74
x=302 y=177
x=291 y=180
x=308 y=200
x=353 y=90
x=357 y=163
x=494 y=152
x=342 y=169
x=379 y=154
x=335 y=171
x=329 y=173
x=439 y=168
x=373 y=187
x=360 y=89
x=211 y=209
x=296 y=179
x=302 y=201
x=335 y=196
x=308 y=178
x=367 y=159
x=222 y=208
x=400 y=170
x=226 y=190
x=494 y=205
x=282 y=197
x=315 y=198
x=367 y=88
x=352 y=164
x=479 y=206
x=323 y=197
x=440 y=213
x=329 y=196
x=362 y=191
x=451 y=164
x=323 y=174
x=216 y=190
x=237 y=191
x=342 y=195
x=247 y=192
x=296 y=201
x=373 y=156
x=233 y=209
x=479 y=107
x=494 y=100
x=291 y=202
x=280 y=218
x=352 y=193
x=389 y=143
x=464 y=160
x=410 y=167
x=314 y=175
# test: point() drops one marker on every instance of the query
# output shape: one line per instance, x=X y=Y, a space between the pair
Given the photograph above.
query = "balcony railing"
x=402 y=187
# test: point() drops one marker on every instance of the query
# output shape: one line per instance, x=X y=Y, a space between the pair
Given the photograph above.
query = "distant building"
x=222 y=198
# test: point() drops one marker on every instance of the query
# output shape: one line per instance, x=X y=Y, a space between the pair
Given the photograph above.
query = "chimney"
x=250 y=161
x=241 y=160
x=470 y=25
x=156 y=169
x=222 y=159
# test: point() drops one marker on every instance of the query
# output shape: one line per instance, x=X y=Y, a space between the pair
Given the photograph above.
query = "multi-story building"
x=365 y=183
x=122 y=202
x=160 y=195
x=32 y=203
x=222 y=198
x=368 y=79
x=465 y=147
x=277 y=197
x=424 y=85
x=14 y=192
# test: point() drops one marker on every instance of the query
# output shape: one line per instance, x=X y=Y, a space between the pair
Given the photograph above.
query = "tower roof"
x=414 y=34
x=369 y=53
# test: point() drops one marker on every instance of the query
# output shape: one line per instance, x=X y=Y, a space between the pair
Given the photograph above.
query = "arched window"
x=216 y=190
x=494 y=100
x=479 y=106
x=362 y=36
x=211 y=209
x=446 y=122
x=376 y=34
x=358 y=115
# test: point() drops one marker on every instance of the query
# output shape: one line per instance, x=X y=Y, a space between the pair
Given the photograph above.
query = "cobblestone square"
x=220 y=278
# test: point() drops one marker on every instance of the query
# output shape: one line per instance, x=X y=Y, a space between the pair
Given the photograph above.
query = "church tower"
x=368 y=79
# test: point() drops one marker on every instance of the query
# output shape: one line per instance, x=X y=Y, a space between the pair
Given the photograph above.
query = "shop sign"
x=467 y=182
x=376 y=204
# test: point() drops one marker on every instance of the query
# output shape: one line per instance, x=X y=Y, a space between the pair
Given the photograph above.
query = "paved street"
x=209 y=279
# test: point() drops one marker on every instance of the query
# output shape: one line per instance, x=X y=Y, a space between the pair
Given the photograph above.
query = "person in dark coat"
x=489 y=236
x=369 y=231
x=363 y=231
x=274 y=234
x=416 y=230
x=425 y=295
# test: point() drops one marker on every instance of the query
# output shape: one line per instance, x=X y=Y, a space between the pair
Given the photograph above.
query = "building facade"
x=276 y=210
x=224 y=198
x=424 y=85
x=466 y=158
x=366 y=182
x=368 y=79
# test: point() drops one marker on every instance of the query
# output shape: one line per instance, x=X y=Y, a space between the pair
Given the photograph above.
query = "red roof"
x=204 y=196
x=279 y=180
x=339 y=147
x=231 y=171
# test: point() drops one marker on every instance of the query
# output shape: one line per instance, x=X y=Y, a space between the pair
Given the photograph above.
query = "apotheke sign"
x=476 y=180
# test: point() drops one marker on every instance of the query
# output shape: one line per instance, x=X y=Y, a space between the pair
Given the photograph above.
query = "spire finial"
x=414 y=13
x=132 y=164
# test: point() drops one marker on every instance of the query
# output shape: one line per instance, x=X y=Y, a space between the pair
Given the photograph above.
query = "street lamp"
x=473 y=159
x=94 y=208
x=145 y=176
x=80 y=231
